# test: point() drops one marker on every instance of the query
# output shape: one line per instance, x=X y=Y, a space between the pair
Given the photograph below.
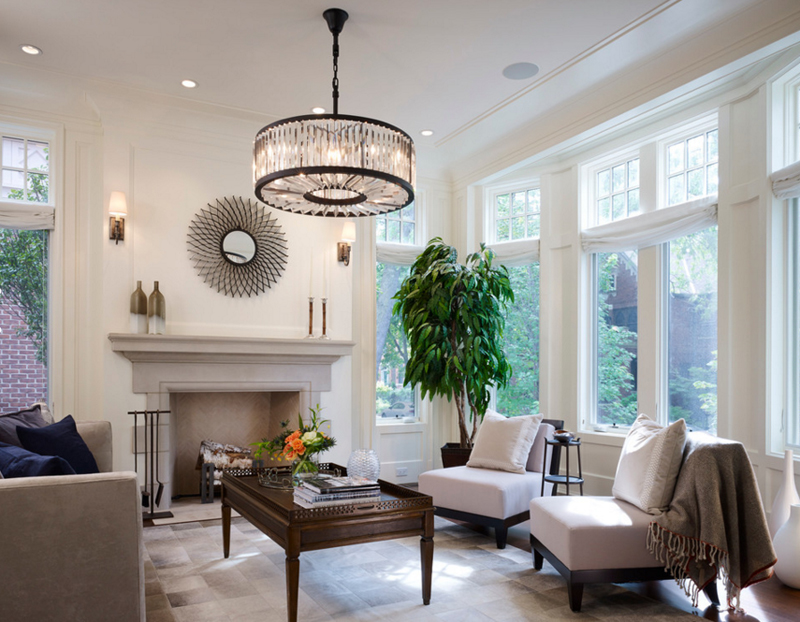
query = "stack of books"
x=319 y=493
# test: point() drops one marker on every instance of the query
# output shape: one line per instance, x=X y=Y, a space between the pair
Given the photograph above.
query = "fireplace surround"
x=167 y=367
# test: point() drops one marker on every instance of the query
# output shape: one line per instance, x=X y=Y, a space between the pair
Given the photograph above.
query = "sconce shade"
x=117 y=204
x=349 y=232
x=117 y=210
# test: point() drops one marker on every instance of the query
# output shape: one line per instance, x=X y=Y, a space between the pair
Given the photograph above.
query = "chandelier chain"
x=335 y=81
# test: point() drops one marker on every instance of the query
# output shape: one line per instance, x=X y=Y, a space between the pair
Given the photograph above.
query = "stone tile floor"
x=188 y=580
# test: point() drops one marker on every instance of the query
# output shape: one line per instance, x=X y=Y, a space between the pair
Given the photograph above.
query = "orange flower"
x=298 y=446
x=294 y=435
x=291 y=455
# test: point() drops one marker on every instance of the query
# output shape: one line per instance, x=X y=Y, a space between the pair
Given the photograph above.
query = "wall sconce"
x=118 y=209
x=348 y=237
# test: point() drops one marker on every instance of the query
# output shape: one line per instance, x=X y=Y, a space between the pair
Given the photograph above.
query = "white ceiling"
x=415 y=63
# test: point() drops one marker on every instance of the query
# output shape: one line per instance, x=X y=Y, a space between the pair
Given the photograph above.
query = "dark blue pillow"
x=60 y=439
x=18 y=462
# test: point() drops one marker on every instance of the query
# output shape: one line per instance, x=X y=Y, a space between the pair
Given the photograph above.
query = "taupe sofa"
x=71 y=546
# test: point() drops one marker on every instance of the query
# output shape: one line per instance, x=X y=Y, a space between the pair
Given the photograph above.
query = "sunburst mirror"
x=237 y=247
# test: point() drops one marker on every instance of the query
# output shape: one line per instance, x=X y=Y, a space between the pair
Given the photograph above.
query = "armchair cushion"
x=60 y=439
x=504 y=443
x=486 y=492
x=18 y=462
x=28 y=418
x=649 y=464
x=588 y=533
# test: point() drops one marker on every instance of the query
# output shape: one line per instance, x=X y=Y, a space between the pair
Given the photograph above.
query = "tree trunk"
x=462 y=420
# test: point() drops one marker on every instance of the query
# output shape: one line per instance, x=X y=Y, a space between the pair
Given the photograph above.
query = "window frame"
x=652 y=346
x=421 y=407
x=784 y=111
x=53 y=134
x=589 y=171
x=490 y=213
x=683 y=132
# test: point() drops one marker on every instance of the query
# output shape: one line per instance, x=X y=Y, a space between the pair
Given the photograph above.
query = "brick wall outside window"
x=23 y=380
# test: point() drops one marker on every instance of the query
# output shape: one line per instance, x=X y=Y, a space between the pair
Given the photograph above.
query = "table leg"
x=426 y=553
x=426 y=557
x=292 y=586
x=226 y=530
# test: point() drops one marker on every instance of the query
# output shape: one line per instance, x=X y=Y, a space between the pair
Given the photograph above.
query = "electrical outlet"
x=401 y=472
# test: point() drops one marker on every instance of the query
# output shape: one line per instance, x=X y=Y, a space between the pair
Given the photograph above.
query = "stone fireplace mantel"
x=188 y=363
x=166 y=367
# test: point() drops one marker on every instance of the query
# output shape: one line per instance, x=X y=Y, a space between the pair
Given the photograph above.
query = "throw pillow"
x=536 y=457
x=503 y=443
x=28 y=418
x=60 y=439
x=18 y=462
x=649 y=464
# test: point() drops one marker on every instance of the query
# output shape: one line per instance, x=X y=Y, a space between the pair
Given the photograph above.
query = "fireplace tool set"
x=153 y=488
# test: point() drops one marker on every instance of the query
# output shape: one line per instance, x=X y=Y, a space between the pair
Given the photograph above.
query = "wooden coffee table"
x=400 y=513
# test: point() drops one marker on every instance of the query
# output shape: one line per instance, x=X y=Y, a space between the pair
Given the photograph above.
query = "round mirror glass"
x=238 y=247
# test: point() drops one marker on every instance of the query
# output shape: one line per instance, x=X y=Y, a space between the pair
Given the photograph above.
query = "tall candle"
x=325 y=275
x=311 y=274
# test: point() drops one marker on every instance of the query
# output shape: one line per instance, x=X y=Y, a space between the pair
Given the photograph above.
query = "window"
x=517 y=215
x=24 y=267
x=25 y=170
x=399 y=227
x=393 y=402
x=793 y=323
x=692 y=167
x=521 y=396
x=616 y=332
x=692 y=329
x=617 y=191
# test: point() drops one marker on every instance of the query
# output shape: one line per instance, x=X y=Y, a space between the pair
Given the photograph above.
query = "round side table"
x=567 y=480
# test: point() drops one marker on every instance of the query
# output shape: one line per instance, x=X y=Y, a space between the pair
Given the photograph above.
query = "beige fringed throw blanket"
x=715 y=524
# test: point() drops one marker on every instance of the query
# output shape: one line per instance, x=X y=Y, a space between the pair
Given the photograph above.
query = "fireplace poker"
x=160 y=489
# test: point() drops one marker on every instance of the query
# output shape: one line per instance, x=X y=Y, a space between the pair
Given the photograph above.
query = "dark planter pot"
x=453 y=455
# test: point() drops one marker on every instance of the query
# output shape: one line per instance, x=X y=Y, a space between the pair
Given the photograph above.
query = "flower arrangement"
x=301 y=445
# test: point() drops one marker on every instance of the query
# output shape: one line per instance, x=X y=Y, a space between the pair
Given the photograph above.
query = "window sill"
x=612 y=439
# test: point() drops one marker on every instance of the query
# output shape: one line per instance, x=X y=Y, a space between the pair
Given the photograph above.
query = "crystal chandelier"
x=332 y=164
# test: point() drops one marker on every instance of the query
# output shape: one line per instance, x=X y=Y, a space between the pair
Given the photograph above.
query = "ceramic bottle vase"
x=787 y=545
x=156 y=312
x=138 y=311
x=786 y=497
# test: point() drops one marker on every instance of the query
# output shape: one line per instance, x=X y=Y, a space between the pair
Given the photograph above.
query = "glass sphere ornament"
x=364 y=463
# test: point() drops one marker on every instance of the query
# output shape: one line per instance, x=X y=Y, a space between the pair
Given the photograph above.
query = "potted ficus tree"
x=453 y=316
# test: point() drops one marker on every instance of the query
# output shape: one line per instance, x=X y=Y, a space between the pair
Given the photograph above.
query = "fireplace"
x=230 y=388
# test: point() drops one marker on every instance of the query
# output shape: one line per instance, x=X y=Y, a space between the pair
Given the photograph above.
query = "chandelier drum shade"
x=331 y=164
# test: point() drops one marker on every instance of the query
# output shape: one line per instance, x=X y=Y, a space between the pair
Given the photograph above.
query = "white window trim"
x=703 y=124
x=490 y=193
x=589 y=173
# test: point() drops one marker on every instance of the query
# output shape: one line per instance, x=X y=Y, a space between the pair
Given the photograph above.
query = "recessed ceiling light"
x=189 y=84
x=317 y=110
x=520 y=71
x=427 y=132
x=30 y=49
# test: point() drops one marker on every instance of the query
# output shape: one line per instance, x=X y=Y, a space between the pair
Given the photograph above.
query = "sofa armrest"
x=76 y=545
x=97 y=435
